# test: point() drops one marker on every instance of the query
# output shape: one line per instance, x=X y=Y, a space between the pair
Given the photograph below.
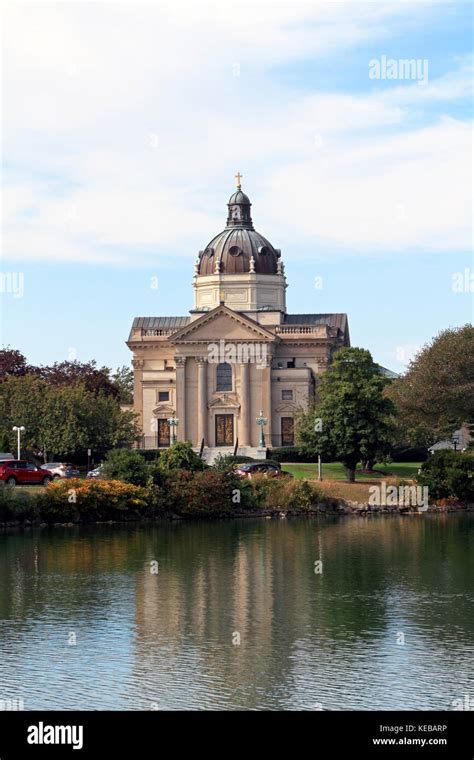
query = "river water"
x=232 y=615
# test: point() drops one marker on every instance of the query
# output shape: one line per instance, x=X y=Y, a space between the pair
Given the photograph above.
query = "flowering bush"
x=83 y=500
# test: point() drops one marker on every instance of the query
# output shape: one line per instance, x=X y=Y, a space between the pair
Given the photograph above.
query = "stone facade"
x=237 y=354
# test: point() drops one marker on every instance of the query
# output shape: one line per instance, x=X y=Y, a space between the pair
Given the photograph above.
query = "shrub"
x=275 y=493
x=265 y=491
x=169 y=494
x=301 y=494
x=76 y=500
x=180 y=456
x=207 y=493
x=149 y=455
x=126 y=465
x=448 y=473
x=18 y=504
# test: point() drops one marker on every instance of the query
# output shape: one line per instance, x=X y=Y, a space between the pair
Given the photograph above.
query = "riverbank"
x=209 y=494
x=341 y=510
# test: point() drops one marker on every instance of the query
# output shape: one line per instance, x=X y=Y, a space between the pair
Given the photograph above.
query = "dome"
x=239 y=197
x=234 y=248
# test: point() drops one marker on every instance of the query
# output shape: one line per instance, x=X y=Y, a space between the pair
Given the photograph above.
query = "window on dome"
x=263 y=250
x=234 y=250
x=224 y=377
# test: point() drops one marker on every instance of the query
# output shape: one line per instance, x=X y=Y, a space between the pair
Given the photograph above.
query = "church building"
x=238 y=365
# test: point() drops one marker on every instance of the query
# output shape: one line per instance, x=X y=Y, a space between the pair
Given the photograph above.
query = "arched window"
x=224 y=377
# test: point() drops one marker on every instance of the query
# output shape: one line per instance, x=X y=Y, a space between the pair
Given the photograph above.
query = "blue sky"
x=123 y=127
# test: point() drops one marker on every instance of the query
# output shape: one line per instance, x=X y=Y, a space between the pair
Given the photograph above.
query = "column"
x=181 y=396
x=244 y=433
x=267 y=398
x=202 y=400
x=138 y=392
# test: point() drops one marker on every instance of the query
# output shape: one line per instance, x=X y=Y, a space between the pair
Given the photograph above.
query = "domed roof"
x=239 y=197
x=238 y=248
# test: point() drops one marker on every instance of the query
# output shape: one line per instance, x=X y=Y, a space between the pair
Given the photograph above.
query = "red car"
x=17 y=471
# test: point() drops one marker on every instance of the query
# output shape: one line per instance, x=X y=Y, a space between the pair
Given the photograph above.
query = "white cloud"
x=123 y=122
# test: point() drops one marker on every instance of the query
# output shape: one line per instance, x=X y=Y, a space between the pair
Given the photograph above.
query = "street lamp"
x=261 y=421
x=173 y=422
x=18 y=431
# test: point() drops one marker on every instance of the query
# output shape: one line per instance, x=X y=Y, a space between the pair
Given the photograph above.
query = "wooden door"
x=224 y=429
x=287 y=431
x=163 y=433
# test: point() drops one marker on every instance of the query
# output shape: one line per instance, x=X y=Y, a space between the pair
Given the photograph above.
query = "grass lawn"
x=336 y=471
x=335 y=482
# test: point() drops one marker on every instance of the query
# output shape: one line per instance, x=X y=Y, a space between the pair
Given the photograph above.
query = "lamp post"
x=455 y=441
x=173 y=422
x=261 y=421
x=18 y=430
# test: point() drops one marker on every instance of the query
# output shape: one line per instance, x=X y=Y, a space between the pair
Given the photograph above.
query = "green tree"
x=63 y=419
x=436 y=394
x=4 y=442
x=127 y=465
x=351 y=420
x=122 y=379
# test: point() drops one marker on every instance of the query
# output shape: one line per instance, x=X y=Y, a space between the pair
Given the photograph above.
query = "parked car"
x=61 y=469
x=267 y=469
x=96 y=473
x=5 y=457
x=20 y=472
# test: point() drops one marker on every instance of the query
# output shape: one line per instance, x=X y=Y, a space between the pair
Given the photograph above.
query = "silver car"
x=61 y=469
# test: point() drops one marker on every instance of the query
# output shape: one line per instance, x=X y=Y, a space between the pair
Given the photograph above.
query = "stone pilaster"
x=244 y=432
x=267 y=397
x=138 y=391
x=181 y=396
x=202 y=399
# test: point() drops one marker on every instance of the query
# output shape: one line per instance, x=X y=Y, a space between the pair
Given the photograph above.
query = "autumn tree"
x=436 y=394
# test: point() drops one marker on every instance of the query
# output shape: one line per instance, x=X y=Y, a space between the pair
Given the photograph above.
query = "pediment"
x=223 y=323
x=287 y=407
x=163 y=409
x=224 y=400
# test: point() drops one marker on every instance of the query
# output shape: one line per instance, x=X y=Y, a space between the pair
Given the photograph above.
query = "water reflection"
x=388 y=624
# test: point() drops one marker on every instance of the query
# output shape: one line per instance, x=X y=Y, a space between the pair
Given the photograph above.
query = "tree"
x=4 y=442
x=63 y=419
x=122 y=379
x=68 y=372
x=436 y=394
x=352 y=418
x=12 y=362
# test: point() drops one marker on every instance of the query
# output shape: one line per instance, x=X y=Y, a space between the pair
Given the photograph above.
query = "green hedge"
x=449 y=474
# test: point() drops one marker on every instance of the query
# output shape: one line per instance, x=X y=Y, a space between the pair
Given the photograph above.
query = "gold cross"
x=238 y=177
